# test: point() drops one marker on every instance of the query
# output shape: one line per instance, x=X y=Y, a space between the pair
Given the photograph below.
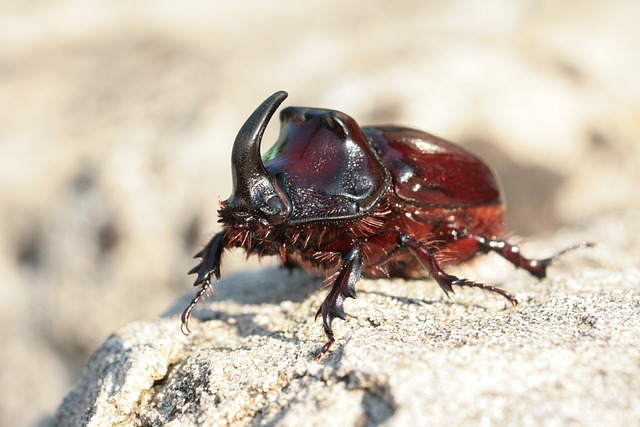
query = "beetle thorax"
x=316 y=244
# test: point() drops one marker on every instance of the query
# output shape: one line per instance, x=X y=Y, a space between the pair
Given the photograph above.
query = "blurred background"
x=117 y=120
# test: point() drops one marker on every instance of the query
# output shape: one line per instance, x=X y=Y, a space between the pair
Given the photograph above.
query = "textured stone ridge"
x=125 y=367
x=569 y=353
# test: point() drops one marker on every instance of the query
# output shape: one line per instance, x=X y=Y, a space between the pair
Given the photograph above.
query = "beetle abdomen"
x=429 y=171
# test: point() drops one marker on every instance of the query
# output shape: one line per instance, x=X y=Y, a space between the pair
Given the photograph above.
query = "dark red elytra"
x=383 y=201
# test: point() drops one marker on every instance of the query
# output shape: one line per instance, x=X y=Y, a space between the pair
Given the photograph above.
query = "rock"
x=407 y=355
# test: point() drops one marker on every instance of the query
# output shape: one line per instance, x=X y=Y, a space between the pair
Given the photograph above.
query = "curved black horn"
x=252 y=184
x=246 y=148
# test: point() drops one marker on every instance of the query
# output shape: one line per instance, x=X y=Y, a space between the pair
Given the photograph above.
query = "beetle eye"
x=274 y=210
x=274 y=206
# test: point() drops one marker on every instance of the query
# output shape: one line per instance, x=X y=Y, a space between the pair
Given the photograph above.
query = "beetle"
x=379 y=201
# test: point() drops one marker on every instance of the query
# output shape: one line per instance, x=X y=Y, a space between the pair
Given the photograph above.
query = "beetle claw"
x=327 y=319
x=184 y=328
x=581 y=245
x=325 y=348
x=186 y=314
x=490 y=288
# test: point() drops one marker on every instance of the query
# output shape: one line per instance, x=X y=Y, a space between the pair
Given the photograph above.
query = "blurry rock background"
x=117 y=119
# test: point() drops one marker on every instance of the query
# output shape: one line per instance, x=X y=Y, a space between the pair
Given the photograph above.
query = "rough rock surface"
x=569 y=354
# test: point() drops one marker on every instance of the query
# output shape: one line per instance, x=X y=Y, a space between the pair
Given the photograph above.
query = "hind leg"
x=537 y=267
x=469 y=246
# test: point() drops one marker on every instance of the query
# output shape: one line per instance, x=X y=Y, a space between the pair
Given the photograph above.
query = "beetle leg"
x=427 y=258
x=205 y=289
x=209 y=264
x=537 y=267
x=290 y=265
x=343 y=287
x=210 y=257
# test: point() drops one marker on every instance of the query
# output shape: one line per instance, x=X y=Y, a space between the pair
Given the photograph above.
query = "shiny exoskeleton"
x=383 y=201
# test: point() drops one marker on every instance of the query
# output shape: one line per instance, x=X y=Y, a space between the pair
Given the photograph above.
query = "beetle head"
x=256 y=197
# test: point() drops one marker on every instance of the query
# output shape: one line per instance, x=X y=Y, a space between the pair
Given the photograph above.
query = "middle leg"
x=427 y=257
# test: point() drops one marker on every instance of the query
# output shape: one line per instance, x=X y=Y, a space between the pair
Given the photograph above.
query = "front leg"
x=343 y=287
x=209 y=264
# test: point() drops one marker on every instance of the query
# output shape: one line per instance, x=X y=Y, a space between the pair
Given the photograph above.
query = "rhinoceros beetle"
x=383 y=201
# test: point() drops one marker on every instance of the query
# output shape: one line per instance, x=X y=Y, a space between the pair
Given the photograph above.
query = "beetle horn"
x=252 y=183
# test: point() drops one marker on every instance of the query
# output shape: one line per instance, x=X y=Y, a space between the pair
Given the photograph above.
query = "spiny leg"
x=537 y=267
x=210 y=257
x=427 y=257
x=209 y=264
x=205 y=289
x=343 y=287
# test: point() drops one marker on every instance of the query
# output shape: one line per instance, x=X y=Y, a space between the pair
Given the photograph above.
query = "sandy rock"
x=568 y=353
